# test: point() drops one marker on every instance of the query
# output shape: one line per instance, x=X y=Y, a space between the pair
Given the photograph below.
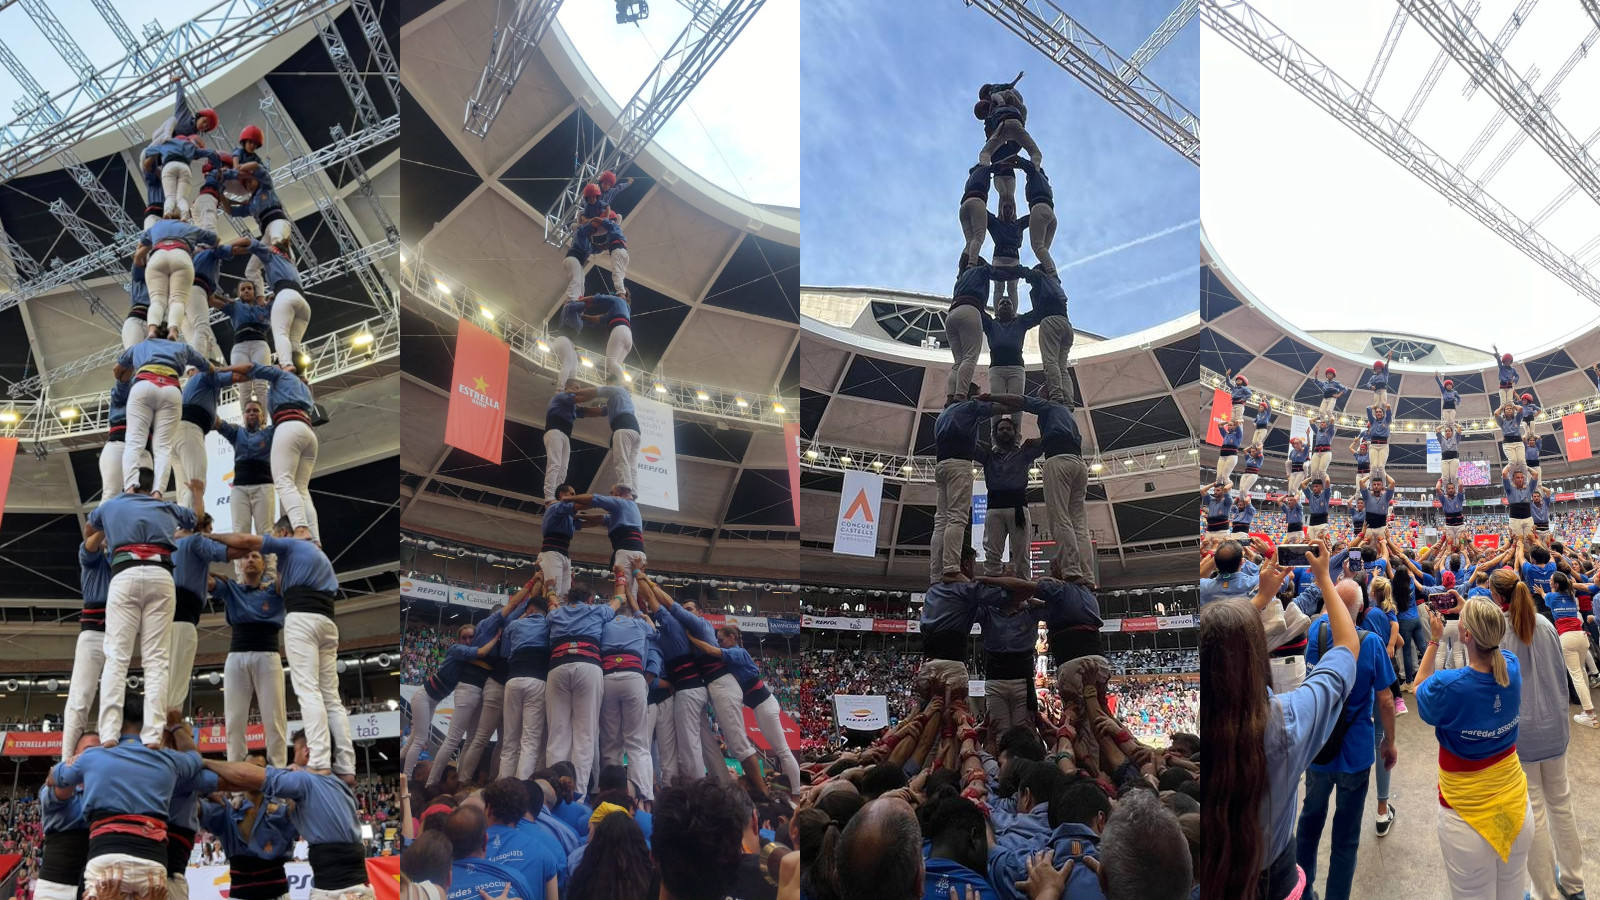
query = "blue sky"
x=887 y=136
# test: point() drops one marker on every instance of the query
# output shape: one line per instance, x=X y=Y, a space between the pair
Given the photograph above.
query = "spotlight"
x=906 y=468
x=9 y=417
x=877 y=465
x=586 y=362
x=1096 y=467
x=362 y=340
x=1194 y=451
x=778 y=408
x=214 y=679
x=811 y=454
x=486 y=312
x=1033 y=473
x=442 y=286
x=393 y=704
x=741 y=402
x=702 y=396
x=543 y=347
x=844 y=460
x=661 y=388
x=68 y=413
x=626 y=377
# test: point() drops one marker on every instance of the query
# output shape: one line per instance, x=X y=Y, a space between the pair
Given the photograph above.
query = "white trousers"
x=574 y=278
x=256 y=352
x=1449 y=469
x=291 y=316
x=88 y=659
x=567 y=358
x=1041 y=232
x=258 y=674
x=625 y=453
x=1515 y=453
x=53 y=890
x=182 y=639
x=952 y=512
x=111 y=467
x=1011 y=130
x=625 y=560
x=1007 y=380
x=572 y=715
x=1449 y=416
x=1296 y=479
x=463 y=719
x=169 y=274
x=1574 y=650
x=176 y=177
x=659 y=716
x=138 y=611
x=974 y=216
x=1066 y=482
x=1055 y=346
x=422 y=706
x=522 y=737
x=489 y=715
x=688 y=714
x=963 y=328
x=205 y=212
x=556 y=567
x=623 y=729
x=1287 y=673
x=1320 y=462
x=196 y=324
x=141 y=879
x=294 y=458
x=772 y=729
x=1225 y=465
x=1003 y=528
x=728 y=701
x=133 y=331
x=311 y=643
x=1247 y=480
x=1521 y=527
x=619 y=270
x=251 y=506
x=618 y=343
x=1554 y=829
x=1474 y=869
x=153 y=412
x=189 y=458
x=1380 y=456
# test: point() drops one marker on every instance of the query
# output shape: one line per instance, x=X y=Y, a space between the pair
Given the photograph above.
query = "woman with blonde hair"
x=1483 y=793
x=1383 y=615
x=1542 y=739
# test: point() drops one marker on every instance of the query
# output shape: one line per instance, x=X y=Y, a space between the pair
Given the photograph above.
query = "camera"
x=1443 y=601
x=1290 y=555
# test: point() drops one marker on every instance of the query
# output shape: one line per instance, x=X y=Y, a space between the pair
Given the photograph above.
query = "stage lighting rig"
x=632 y=11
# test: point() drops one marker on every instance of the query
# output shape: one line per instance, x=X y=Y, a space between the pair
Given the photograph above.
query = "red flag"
x=8 y=458
x=1221 y=408
x=1576 y=427
x=791 y=440
x=383 y=873
x=477 y=419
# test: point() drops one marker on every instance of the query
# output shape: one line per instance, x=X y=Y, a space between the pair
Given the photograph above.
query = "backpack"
x=1330 y=750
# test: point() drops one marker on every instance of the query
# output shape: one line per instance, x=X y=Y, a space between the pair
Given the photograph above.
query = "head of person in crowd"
x=467 y=831
x=696 y=840
x=1037 y=784
x=1229 y=557
x=253 y=415
x=958 y=832
x=1079 y=800
x=815 y=833
x=616 y=865
x=505 y=801
x=566 y=780
x=1539 y=555
x=1144 y=854
x=880 y=854
x=428 y=860
x=1515 y=599
x=881 y=779
x=1482 y=628
x=1234 y=677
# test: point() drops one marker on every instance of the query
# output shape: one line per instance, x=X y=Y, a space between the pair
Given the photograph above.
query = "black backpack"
x=1330 y=750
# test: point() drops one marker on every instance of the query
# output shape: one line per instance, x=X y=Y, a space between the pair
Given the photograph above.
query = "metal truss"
x=114 y=20
x=1391 y=39
x=364 y=186
x=1497 y=120
x=61 y=40
x=1566 y=192
x=1467 y=46
x=1085 y=57
x=667 y=86
x=337 y=152
x=372 y=30
x=1175 y=22
x=908 y=469
x=510 y=48
x=25 y=265
x=1288 y=406
x=279 y=125
x=214 y=38
x=1431 y=78
x=333 y=42
x=84 y=235
x=1548 y=97
x=532 y=343
x=1507 y=32
x=367 y=256
x=1264 y=42
x=1592 y=7
x=332 y=355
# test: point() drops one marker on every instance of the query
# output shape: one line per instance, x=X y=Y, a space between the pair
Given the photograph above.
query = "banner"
x=1435 y=454
x=219 y=467
x=212 y=882
x=1221 y=408
x=1486 y=541
x=791 y=443
x=418 y=589
x=980 y=512
x=476 y=422
x=1298 y=426
x=1186 y=621
x=752 y=730
x=856 y=532
x=657 y=463
x=8 y=459
x=861 y=712
x=1140 y=623
x=1576 y=428
x=211 y=738
x=977 y=687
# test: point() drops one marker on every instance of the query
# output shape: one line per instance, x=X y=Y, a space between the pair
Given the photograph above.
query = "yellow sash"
x=159 y=369
x=1492 y=800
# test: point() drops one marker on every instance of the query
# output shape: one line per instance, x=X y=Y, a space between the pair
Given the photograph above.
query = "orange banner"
x=791 y=440
x=207 y=739
x=1576 y=428
x=8 y=458
x=1221 y=408
x=477 y=418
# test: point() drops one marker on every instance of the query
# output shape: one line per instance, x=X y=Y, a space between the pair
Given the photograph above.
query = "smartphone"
x=1294 y=555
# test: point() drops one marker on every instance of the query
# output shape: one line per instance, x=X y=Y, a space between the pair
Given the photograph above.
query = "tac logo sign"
x=476 y=394
x=856 y=531
x=860 y=508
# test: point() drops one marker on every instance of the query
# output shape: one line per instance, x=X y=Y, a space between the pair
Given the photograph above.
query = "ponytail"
x=1559 y=581
x=1513 y=593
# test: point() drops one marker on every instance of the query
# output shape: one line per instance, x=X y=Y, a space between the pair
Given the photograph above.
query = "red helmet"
x=1449 y=383
x=252 y=133
x=227 y=162
x=1295 y=440
x=1506 y=358
x=1330 y=371
x=1527 y=398
x=207 y=113
x=1378 y=364
x=1241 y=379
x=608 y=178
x=591 y=191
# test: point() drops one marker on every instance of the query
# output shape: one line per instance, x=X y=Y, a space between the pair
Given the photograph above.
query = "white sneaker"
x=1586 y=719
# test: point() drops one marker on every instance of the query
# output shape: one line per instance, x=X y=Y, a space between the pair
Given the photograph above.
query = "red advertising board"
x=208 y=738
x=1575 y=427
x=1141 y=623
x=1486 y=541
x=791 y=731
x=890 y=626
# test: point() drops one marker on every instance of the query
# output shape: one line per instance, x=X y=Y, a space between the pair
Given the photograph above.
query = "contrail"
x=1164 y=279
x=1133 y=243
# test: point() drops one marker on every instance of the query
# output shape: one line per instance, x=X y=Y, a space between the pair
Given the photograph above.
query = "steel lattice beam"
x=1496 y=121
x=919 y=469
x=1391 y=39
x=333 y=42
x=667 y=86
x=343 y=265
x=1507 y=32
x=1280 y=54
x=510 y=48
x=214 y=38
x=1431 y=78
x=278 y=124
x=23 y=263
x=1549 y=97
x=1169 y=28
x=1566 y=192
x=1462 y=40
x=1085 y=57
x=364 y=186
x=119 y=27
x=80 y=231
x=1592 y=7
x=73 y=55
x=372 y=30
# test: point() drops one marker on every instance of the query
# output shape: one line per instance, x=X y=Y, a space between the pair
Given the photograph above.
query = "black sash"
x=255 y=637
x=625 y=422
x=65 y=855
x=189 y=606
x=684 y=673
x=1006 y=666
x=197 y=416
x=530 y=662
x=335 y=866
x=950 y=645
x=253 y=878
x=1067 y=644
x=306 y=600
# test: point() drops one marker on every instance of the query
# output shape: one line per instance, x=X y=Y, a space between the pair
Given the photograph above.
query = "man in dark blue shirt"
x=955 y=437
x=1006 y=466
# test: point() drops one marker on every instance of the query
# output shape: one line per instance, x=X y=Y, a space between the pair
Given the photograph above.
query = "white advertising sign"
x=418 y=589
x=219 y=468
x=1435 y=454
x=657 y=463
x=212 y=882
x=1298 y=425
x=856 y=532
x=861 y=712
